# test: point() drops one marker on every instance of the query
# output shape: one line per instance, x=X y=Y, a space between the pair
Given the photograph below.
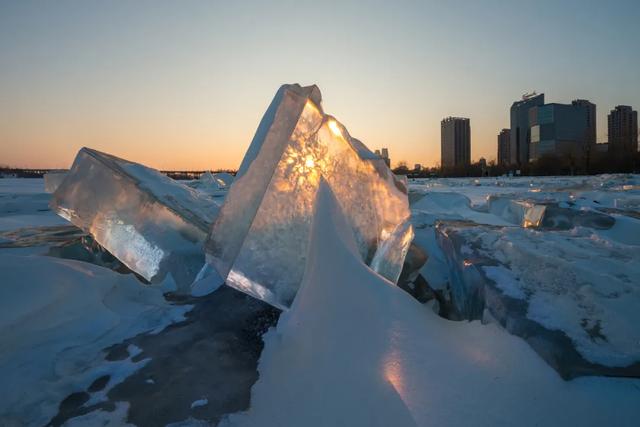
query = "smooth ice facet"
x=52 y=180
x=391 y=253
x=151 y=223
x=259 y=241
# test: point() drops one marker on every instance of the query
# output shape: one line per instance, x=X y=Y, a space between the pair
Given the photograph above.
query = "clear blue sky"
x=184 y=84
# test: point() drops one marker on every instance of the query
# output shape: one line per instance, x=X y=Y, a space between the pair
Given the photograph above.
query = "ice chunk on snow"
x=549 y=214
x=259 y=241
x=224 y=179
x=219 y=181
x=212 y=185
x=52 y=180
x=524 y=213
x=151 y=223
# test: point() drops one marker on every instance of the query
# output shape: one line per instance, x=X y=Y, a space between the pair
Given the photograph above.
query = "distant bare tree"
x=401 y=168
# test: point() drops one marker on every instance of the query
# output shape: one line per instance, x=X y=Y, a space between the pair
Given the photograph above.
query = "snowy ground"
x=86 y=345
x=355 y=350
x=555 y=260
x=57 y=315
x=83 y=344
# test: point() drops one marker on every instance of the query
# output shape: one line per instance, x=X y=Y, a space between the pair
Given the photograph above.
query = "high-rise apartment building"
x=590 y=112
x=455 y=142
x=504 y=147
x=623 y=130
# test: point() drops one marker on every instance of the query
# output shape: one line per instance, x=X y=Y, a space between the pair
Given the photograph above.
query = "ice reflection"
x=138 y=254
x=392 y=368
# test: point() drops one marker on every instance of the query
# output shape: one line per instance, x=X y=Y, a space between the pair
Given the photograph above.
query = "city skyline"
x=179 y=87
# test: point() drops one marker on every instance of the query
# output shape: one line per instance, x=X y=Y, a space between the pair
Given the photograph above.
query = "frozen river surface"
x=543 y=273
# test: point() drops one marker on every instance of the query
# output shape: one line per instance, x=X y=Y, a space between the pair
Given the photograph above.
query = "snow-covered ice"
x=24 y=203
x=553 y=259
x=259 y=240
x=56 y=317
x=576 y=282
x=354 y=350
x=556 y=288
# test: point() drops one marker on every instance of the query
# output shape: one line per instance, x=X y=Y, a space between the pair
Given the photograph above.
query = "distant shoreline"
x=39 y=173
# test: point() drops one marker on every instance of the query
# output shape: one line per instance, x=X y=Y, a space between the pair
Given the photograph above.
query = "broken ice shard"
x=52 y=180
x=212 y=184
x=546 y=214
x=524 y=213
x=259 y=241
x=151 y=223
x=223 y=179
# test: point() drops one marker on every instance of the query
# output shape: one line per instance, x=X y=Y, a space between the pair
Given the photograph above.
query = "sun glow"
x=333 y=125
x=309 y=162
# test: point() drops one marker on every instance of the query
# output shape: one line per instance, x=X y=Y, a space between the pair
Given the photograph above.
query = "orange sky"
x=183 y=86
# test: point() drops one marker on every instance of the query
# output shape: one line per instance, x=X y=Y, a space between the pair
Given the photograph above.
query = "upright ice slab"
x=151 y=223
x=259 y=241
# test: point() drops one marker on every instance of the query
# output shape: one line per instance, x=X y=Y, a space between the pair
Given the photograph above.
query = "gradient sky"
x=183 y=85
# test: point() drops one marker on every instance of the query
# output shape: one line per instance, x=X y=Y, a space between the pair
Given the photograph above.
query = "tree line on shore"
x=548 y=165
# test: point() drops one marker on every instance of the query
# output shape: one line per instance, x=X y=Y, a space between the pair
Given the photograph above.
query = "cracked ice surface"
x=151 y=223
x=259 y=240
x=553 y=259
x=577 y=282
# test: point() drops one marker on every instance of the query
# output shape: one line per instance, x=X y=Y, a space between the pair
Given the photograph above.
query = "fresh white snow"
x=24 y=203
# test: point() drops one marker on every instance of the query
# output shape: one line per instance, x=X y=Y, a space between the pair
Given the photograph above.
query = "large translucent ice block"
x=259 y=241
x=151 y=223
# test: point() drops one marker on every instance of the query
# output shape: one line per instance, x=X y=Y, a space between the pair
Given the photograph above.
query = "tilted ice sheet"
x=259 y=240
x=581 y=282
x=151 y=223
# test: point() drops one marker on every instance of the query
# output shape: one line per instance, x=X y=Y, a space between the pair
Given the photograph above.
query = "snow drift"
x=356 y=350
